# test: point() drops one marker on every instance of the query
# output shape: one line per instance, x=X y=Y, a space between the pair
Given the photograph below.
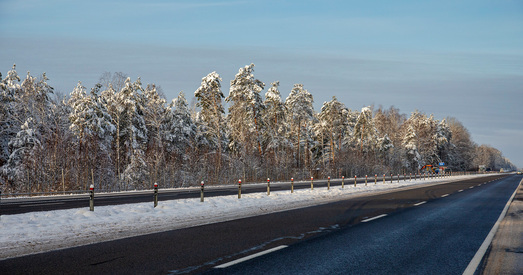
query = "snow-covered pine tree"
x=154 y=113
x=275 y=130
x=211 y=115
x=126 y=109
x=179 y=136
x=244 y=118
x=10 y=119
x=412 y=156
x=331 y=127
x=22 y=153
x=135 y=133
x=365 y=134
x=462 y=148
x=300 y=116
x=426 y=137
x=443 y=137
x=178 y=131
x=92 y=125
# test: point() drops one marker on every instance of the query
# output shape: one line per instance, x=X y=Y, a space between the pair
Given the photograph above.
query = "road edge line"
x=476 y=260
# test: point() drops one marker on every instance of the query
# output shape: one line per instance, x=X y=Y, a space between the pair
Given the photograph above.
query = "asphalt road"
x=25 y=205
x=439 y=237
x=429 y=230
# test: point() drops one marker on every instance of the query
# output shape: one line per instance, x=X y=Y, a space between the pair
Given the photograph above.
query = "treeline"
x=123 y=135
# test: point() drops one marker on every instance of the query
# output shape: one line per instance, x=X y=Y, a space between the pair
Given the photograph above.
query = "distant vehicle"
x=519 y=173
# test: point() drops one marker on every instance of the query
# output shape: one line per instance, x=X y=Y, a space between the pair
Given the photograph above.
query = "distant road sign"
x=441 y=164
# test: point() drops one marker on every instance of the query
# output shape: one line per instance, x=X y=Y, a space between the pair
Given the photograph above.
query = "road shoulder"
x=505 y=255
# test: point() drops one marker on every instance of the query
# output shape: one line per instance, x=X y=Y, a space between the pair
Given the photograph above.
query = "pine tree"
x=244 y=118
x=300 y=116
x=365 y=134
x=154 y=113
x=412 y=156
x=275 y=125
x=22 y=152
x=126 y=109
x=179 y=131
x=331 y=127
x=10 y=119
x=210 y=117
x=134 y=133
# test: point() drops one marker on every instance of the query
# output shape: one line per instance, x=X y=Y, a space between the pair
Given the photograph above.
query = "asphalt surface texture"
x=434 y=229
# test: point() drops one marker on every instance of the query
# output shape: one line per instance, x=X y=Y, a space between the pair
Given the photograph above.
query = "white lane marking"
x=445 y=195
x=246 y=258
x=374 y=218
x=40 y=204
x=474 y=263
x=420 y=203
x=471 y=187
x=460 y=190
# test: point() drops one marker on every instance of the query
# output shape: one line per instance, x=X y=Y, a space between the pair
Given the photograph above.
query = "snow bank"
x=35 y=232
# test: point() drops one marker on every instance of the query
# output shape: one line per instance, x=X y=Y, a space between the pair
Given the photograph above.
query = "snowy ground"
x=37 y=232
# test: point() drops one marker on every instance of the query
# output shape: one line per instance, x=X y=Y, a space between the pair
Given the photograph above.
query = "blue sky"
x=449 y=58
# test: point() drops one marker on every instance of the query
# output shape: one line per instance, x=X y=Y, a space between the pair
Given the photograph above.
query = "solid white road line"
x=374 y=218
x=420 y=203
x=474 y=263
x=225 y=265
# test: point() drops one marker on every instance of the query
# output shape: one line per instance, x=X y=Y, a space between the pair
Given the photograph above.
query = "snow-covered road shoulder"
x=36 y=232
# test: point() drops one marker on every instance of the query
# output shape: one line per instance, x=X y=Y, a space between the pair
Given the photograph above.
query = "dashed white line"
x=460 y=190
x=444 y=195
x=471 y=187
x=420 y=203
x=246 y=258
x=374 y=218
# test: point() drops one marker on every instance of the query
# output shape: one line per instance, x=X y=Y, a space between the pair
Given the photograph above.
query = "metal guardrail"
x=33 y=194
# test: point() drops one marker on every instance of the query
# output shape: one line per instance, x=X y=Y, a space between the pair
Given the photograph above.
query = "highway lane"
x=304 y=231
x=438 y=237
x=25 y=205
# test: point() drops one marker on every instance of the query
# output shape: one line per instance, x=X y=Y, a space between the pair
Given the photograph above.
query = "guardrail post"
x=383 y=178
x=268 y=186
x=410 y=176
x=239 y=189
x=329 y=183
x=365 y=180
x=354 y=180
x=375 y=178
x=292 y=185
x=312 y=183
x=91 y=197
x=391 y=177
x=404 y=177
x=201 y=191
x=342 y=182
x=155 y=194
